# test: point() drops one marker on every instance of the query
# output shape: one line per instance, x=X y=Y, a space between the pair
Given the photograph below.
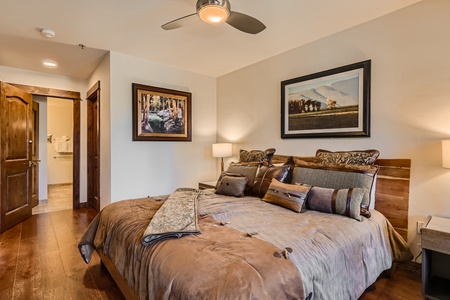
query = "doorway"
x=75 y=98
x=55 y=145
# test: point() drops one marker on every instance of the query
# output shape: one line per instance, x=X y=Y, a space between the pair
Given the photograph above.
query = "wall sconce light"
x=222 y=150
x=446 y=154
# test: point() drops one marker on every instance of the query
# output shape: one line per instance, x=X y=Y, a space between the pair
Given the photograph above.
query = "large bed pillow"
x=336 y=177
x=232 y=185
x=244 y=169
x=290 y=196
x=355 y=157
x=265 y=176
x=256 y=156
x=345 y=202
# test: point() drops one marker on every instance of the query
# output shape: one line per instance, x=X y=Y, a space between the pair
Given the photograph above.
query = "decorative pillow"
x=355 y=157
x=336 y=177
x=345 y=202
x=257 y=156
x=290 y=196
x=232 y=185
x=265 y=176
x=247 y=170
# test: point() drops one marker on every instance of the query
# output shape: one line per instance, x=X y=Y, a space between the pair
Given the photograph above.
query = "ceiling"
x=133 y=27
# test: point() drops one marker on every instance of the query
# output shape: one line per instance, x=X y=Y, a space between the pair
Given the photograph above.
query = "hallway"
x=59 y=198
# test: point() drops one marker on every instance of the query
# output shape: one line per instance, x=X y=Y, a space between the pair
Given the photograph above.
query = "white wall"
x=410 y=104
x=20 y=76
x=143 y=168
x=59 y=124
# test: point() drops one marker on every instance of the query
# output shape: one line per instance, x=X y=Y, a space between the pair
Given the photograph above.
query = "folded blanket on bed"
x=177 y=217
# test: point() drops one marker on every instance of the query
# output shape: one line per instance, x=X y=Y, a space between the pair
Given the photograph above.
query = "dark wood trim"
x=49 y=92
x=76 y=152
x=93 y=89
x=93 y=146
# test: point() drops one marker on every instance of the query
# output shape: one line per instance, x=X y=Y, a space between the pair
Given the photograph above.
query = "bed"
x=278 y=241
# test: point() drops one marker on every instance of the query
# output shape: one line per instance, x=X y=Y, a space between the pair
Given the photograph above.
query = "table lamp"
x=222 y=150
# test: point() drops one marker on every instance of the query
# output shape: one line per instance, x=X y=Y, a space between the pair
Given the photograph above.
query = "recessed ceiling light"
x=49 y=64
x=48 y=33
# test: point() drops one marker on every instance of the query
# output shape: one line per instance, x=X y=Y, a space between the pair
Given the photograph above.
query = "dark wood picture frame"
x=331 y=103
x=161 y=114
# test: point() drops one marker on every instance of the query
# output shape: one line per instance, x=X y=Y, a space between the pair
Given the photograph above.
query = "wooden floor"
x=39 y=259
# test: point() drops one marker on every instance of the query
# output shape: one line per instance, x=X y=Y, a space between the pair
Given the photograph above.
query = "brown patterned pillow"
x=355 y=157
x=265 y=176
x=345 y=202
x=336 y=177
x=257 y=155
x=290 y=196
x=232 y=185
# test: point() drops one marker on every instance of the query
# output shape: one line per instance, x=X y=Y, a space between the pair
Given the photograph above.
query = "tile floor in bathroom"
x=59 y=198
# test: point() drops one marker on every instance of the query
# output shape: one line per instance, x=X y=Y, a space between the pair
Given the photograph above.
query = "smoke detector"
x=48 y=33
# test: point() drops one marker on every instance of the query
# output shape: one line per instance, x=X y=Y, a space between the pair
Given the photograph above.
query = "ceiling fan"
x=216 y=12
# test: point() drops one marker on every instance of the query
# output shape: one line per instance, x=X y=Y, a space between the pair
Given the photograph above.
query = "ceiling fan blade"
x=245 y=23
x=180 y=22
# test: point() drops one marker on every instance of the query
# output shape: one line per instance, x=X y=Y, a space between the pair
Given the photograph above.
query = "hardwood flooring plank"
x=9 y=251
x=27 y=284
x=52 y=274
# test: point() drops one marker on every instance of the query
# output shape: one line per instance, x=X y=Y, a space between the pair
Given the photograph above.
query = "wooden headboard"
x=392 y=189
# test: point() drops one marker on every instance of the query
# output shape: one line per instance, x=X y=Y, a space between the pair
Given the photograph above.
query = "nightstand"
x=436 y=258
x=207 y=185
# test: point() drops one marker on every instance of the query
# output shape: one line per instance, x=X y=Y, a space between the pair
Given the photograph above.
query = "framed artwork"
x=161 y=114
x=332 y=103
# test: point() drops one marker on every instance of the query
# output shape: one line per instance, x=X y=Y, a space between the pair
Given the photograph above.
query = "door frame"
x=35 y=157
x=76 y=100
x=93 y=140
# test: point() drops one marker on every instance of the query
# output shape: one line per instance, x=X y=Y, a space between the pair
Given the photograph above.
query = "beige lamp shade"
x=446 y=153
x=222 y=150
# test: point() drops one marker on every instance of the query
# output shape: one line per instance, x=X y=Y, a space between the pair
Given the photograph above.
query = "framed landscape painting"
x=161 y=114
x=332 y=103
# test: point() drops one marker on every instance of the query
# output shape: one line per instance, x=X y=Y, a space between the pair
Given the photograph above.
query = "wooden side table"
x=436 y=258
x=207 y=185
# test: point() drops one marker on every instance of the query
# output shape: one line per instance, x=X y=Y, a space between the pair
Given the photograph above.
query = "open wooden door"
x=16 y=141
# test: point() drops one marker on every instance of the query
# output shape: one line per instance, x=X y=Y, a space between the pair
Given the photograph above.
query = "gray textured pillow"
x=355 y=157
x=345 y=202
x=336 y=177
x=290 y=196
x=232 y=186
x=246 y=170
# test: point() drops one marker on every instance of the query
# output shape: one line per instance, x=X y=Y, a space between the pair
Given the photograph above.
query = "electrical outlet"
x=420 y=224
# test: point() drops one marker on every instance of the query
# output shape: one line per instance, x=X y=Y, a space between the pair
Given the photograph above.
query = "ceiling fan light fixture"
x=213 y=14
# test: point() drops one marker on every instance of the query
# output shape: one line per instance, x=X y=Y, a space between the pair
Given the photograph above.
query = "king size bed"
x=278 y=227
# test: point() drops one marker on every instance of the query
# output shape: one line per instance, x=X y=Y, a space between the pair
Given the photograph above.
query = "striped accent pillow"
x=290 y=196
x=345 y=202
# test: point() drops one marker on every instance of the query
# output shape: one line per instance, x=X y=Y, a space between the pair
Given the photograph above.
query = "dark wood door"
x=16 y=141
x=93 y=146
x=35 y=157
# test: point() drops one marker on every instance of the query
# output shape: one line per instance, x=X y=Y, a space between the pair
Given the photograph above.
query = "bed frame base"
x=122 y=284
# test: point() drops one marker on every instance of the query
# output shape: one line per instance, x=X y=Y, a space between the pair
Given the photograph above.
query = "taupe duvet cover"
x=240 y=252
